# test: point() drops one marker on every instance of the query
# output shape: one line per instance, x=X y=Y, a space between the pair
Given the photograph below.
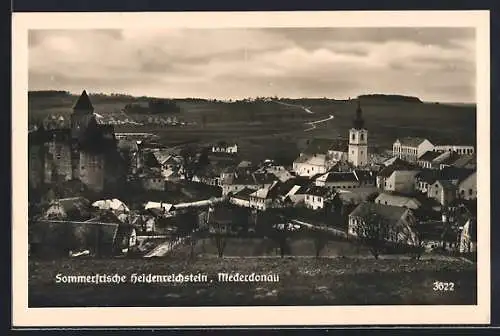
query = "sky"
x=434 y=64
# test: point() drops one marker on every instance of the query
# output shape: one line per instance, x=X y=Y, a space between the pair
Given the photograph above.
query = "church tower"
x=83 y=112
x=358 y=141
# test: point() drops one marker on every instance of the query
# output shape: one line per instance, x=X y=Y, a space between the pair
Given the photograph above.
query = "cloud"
x=436 y=63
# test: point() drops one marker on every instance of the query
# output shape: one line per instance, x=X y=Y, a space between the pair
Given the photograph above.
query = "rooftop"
x=391 y=213
x=429 y=156
x=83 y=103
x=411 y=141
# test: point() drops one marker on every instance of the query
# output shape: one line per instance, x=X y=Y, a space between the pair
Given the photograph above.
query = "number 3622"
x=443 y=286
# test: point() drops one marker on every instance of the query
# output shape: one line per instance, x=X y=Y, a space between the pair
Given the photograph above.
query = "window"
x=353 y=136
x=462 y=192
x=352 y=152
x=470 y=192
x=361 y=152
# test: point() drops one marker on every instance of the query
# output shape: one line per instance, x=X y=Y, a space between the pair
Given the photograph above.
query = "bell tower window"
x=353 y=136
x=362 y=136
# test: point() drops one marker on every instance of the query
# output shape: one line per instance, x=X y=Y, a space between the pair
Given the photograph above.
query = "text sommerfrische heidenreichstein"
x=175 y=278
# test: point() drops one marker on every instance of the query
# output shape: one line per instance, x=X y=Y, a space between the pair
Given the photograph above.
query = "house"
x=465 y=161
x=73 y=208
x=387 y=171
x=114 y=204
x=320 y=155
x=443 y=191
x=341 y=180
x=356 y=196
x=446 y=159
x=399 y=222
x=427 y=159
x=458 y=149
x=277 y=170
x=316 y=197
x=223 y=147
x=174 y=175
x=468 y=236
x=264 y=198
x=251 y=181
x=309 y=165
x=411 y=148
x=434 y=234
x=228 y=220
x=398 y=200
x=395 y=160
x=467 y=187
x=401 y=181
x=456 y=176
x=242 y=197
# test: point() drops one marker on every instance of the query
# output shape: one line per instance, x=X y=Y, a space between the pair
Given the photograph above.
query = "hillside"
x=254 y=124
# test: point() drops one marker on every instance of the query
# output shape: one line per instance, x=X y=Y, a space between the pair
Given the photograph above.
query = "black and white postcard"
x=280 y=168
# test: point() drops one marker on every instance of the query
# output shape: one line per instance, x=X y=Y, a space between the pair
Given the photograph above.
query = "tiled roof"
x=395 y=200
x=411 y=141
x=464 y=160
x=447 y=184
x=364 y=175
x=391 y=213
x=341 y=177
x=312 y=159
x=318 y=191
x=322 y=146
x=244 y=194
x=387 y=171
x=427 y=175
x=429 y=156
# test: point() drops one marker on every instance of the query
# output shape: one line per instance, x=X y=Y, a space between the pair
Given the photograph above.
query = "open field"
x=302 y=281
x=255 y=125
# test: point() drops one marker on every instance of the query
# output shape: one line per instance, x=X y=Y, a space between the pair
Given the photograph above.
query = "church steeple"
x=358 y=122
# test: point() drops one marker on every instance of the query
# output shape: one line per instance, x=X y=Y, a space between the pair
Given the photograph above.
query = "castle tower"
x=83 y=112
x=358 y=141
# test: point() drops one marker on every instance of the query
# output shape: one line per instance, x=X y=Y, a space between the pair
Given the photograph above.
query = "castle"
x=85 y=151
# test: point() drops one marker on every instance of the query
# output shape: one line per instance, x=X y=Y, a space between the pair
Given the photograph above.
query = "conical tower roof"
x=83 y=103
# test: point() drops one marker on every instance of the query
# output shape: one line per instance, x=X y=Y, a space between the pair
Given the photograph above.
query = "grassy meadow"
x=302 y=281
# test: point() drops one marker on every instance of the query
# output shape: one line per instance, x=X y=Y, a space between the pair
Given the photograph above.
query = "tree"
x=220 y=238
x=192 y=161
x=279 y=231
x=372 y=231
x=320 y=239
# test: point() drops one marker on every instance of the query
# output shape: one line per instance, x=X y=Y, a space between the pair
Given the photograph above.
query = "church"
x=85 y=151
x=323 y=155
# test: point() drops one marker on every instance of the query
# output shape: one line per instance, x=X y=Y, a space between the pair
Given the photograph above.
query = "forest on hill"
x=390 y=98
